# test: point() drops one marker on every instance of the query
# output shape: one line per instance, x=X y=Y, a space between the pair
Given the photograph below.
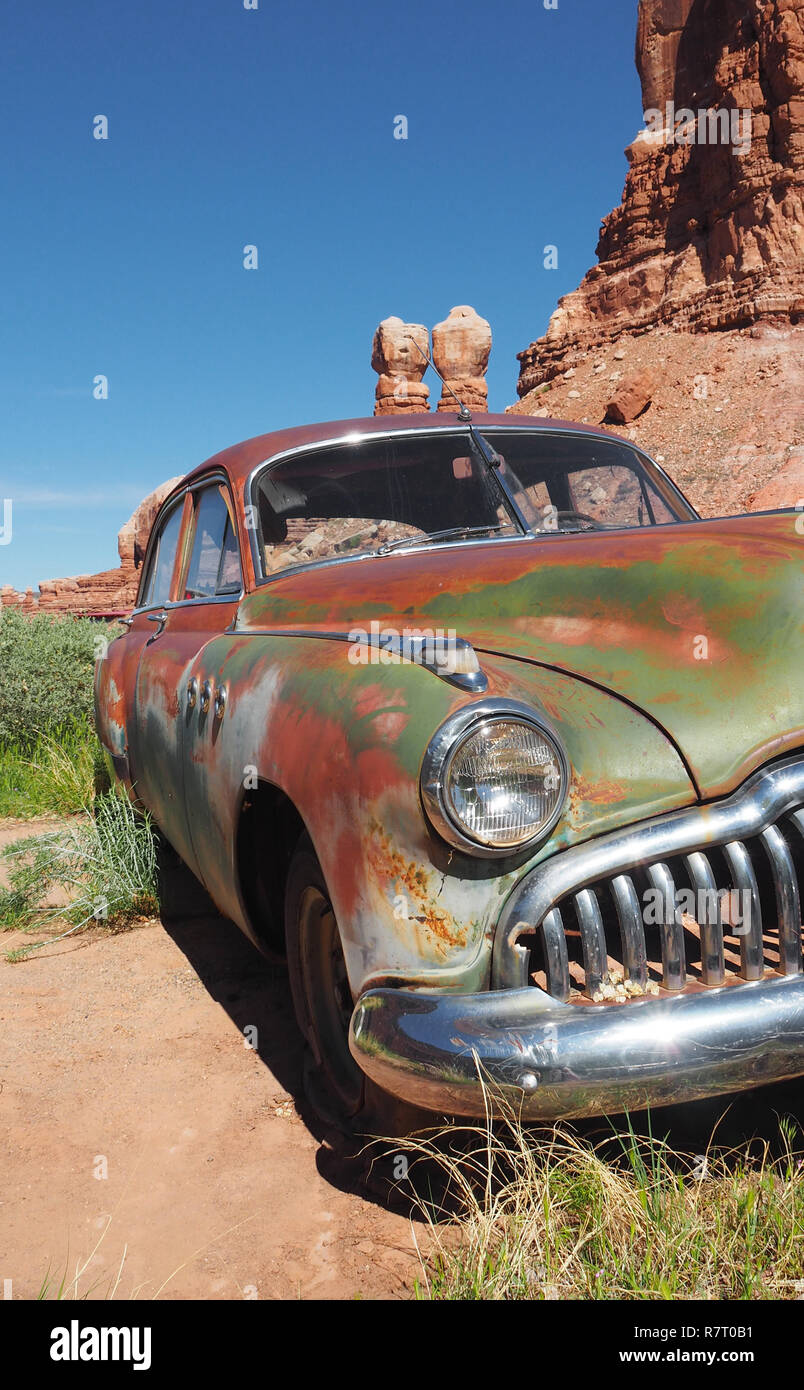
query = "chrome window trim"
x=438 y=759
x=423 y=431
x=161 y=519
x=190 y=602
x=215 y=475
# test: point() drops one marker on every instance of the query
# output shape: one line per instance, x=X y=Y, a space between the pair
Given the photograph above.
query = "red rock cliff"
x=106 y=594
x=708 y=235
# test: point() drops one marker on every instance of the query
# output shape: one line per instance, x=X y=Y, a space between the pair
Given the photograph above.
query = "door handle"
x=161 y=619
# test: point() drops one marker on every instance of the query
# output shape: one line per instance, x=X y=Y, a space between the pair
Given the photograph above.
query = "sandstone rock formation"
x=631 y=397
x=400 y=366
x=133 y=536
x=461 y=347
x=708 y=235
x=109 y=593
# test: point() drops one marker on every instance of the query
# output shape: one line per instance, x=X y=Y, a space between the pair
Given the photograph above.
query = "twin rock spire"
x=461 y=347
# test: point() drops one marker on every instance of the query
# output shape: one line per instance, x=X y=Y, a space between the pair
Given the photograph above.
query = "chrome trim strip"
x=788 y=899
x=632 y=929
x=766 y=796
x=189 y=602
x=713 y=965
x=571 y=1061
x=475 y=682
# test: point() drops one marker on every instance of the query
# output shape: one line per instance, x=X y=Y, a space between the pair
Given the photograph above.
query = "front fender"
x=345 y=743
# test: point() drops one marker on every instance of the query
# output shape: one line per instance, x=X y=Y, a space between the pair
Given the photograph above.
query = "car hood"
x=698 y=625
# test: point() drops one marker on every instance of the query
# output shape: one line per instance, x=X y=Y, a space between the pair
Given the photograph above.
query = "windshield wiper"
x=403 y=541
x=496 y=468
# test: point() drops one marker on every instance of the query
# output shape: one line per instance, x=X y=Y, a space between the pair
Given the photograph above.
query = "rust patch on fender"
x=392 y=868
x=584 y=793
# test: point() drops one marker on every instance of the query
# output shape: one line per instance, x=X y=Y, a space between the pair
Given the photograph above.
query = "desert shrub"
x=47 y=666
x=50 y=758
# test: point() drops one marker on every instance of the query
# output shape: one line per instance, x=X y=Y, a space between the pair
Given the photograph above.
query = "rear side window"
x=163 y=558
x=214 y=566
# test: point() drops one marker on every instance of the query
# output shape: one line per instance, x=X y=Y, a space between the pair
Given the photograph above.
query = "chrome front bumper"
x=549 y=1060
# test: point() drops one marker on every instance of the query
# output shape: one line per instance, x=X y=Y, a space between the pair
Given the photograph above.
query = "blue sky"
x=274 y=127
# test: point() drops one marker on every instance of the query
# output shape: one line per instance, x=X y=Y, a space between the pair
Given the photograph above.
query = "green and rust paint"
x=669 y=662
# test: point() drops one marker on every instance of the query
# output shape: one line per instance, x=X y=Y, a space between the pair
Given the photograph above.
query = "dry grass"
x=82 y=1285
x=550 y=1215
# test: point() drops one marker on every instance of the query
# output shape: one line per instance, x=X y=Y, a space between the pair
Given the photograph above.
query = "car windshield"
x=375 y=494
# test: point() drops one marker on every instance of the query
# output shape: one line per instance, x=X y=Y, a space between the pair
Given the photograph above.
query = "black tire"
x=334 y=1083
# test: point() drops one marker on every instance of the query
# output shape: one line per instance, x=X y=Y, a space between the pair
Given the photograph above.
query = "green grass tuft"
x=550 y=1215
x=54 y=778
x=50 y=760
x=104 y=864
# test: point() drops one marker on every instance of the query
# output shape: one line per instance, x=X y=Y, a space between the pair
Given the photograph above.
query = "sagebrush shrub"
x=46 y=671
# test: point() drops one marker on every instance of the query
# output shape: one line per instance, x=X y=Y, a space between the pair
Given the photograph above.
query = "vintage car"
x=499 y=741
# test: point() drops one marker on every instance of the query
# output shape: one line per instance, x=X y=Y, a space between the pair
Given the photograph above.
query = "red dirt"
x=130 y=1046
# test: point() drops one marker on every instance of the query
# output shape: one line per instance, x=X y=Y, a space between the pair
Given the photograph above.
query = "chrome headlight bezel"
x=439 y=757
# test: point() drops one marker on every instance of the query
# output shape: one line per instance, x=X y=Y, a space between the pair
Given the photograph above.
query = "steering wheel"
x=581 y=516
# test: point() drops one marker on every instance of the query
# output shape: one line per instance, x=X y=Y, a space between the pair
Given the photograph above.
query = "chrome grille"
x=578 y=926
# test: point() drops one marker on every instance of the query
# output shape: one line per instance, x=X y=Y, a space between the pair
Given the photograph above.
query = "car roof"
x=241 y=459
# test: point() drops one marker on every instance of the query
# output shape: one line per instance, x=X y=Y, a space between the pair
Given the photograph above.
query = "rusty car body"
x=504 y=742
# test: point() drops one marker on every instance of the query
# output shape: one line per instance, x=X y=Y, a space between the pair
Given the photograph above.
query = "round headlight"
x=494 y=779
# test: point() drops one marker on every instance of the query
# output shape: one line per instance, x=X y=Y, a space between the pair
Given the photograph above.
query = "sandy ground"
x=125 y=1053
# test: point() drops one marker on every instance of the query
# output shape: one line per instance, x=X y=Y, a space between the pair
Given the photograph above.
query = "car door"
x=117 y=666
x=212 y=772
x=205 y=589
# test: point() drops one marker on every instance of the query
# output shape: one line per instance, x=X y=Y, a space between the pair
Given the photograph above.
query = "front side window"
x=214 y=566
x=157 y=586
